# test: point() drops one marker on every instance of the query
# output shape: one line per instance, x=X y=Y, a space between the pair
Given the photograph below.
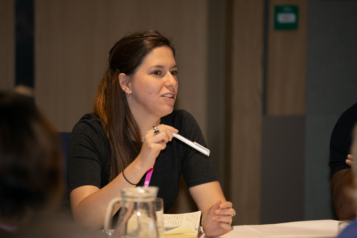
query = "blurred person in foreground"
x=31 y=166
x=351 y=230
x=340 y=163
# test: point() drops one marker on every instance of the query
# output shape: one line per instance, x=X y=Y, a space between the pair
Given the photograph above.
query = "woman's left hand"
x=218 y=220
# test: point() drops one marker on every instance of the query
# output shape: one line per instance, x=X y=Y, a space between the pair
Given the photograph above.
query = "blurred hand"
x=349 y=160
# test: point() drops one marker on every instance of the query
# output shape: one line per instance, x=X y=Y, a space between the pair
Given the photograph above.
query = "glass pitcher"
x=137 y=216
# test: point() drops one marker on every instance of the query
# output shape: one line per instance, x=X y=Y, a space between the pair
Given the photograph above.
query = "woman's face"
x=154 y=85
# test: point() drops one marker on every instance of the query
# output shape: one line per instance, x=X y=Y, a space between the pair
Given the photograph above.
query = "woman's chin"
x=166 y=111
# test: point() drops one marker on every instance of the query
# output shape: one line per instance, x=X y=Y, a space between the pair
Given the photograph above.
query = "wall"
x=286 y=62
x=7 y=46
x=284 y=118
x=245 y=108
x=299 y=119
x=73 y=39
x=216 y=83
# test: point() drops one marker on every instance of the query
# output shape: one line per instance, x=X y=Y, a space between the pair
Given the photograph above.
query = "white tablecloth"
x=301 y=229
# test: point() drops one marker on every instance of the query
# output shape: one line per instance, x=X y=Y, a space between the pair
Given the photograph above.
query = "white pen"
x=195 y=145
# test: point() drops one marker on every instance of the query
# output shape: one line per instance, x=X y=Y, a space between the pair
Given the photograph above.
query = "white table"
x=301 y=229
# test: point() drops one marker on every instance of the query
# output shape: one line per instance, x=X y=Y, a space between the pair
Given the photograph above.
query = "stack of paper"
x=182 y=225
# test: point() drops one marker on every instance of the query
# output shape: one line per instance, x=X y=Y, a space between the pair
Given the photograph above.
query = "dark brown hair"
x=111 y=104
x=31 y=178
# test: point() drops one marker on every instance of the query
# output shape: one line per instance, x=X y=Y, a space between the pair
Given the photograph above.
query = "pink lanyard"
x=8 y=228
x=148 y=177
x=149 y=172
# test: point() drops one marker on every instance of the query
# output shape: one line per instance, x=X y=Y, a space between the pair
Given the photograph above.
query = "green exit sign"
x=286 y=17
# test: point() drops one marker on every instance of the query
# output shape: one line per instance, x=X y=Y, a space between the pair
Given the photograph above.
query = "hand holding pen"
x=154 y=141
x=194 y=145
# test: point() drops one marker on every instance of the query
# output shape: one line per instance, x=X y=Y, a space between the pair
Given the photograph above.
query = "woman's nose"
x=171 y=80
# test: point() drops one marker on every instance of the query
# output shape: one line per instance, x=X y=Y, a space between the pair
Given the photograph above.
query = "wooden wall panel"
x=216 y=83
x=246 y=109
x=7 y=44
x=286 y=73
x=73 y=39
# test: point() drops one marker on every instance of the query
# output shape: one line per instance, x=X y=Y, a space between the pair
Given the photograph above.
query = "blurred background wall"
x=7 y=44
x=265 y=99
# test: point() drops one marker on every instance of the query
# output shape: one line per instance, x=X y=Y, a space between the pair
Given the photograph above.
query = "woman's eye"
x=157 y=72
x=174 y=72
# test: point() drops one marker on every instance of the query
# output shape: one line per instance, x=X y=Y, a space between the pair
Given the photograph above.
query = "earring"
x=127 y=94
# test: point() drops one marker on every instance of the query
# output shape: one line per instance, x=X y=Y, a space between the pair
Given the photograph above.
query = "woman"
x=116 y=146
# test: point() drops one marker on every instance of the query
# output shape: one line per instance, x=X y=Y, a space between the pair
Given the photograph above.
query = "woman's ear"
x=124 y=82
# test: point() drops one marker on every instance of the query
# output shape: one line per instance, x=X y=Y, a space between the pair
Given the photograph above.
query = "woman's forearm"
x=89 y=203
x=340 y=184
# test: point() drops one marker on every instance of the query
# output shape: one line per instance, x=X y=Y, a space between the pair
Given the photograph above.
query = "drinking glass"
x=158 y=205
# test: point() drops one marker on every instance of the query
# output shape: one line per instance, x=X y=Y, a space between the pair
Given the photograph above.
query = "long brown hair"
x=110 y=102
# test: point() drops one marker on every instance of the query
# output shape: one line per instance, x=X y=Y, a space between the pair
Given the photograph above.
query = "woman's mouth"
x=168 y=96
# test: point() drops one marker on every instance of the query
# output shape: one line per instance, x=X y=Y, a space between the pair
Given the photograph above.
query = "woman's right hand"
x=153 y=143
